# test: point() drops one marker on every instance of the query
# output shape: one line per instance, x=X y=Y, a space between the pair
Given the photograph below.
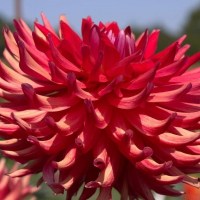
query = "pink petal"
x=187 y=179
x=88 y=192
x=110 y=173
x=12 y=61
x=105 y=193
x=48 y=176
x=34 y=167
x=46 y=32
x=94 y=40
x=100 y=153
x=47 y=25
x=87 y=137
x=14 y=144
x=23 y=33
x=137 y=68
x=168 y=49
x=30 y=66
x=130 y=102
x=101 y=112
x=70 y=156
x=51 y=145
x=142 y=44
x=148 y=165
x=169 y=95
x=60 y=60
x=147 y=125
x=76 y=171
x=152 y=44
x=10 y=45
x=168 y=72
x=24 y=155
x=165 y=179
x=138 y=183
x=37 y=129
x=120 y=67
x=46 y=103
x=173 y=140
x=70 y=123
x=142 y=80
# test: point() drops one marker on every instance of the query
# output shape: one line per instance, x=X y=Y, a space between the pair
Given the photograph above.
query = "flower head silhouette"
x=103 y=110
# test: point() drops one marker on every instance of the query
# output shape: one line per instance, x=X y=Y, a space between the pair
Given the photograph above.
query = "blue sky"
x=170 y=14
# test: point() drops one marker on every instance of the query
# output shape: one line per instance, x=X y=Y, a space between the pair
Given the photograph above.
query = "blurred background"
x=174 y=18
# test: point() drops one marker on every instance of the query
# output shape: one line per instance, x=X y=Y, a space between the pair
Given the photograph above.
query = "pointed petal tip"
x=79 y=142
x=32 y=139
x=147 y=151
x=99 y=163
x=93 y=184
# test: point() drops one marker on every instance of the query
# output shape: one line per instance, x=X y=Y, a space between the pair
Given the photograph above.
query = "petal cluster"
x=14 y=188
x=104 y=110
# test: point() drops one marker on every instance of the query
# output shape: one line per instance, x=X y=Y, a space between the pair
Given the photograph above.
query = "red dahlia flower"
x=103 y=110
x=14 y=188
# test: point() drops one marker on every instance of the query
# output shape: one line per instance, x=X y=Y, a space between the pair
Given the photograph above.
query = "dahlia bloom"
x=104 y=111
x=14 y=188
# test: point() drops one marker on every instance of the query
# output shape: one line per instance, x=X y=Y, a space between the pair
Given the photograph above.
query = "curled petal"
x=149 y=165
x=12 y=130
x=73 y=88
x=168 y=72
x=48 y=176
x=100 y=152
x=29 y=66
x=70 y=155
x=31 y=116
x=17 y=79
x=101 y=113
x=172 y=140
x=186 y=179
x=24 y=155
x=14 y=144
x=147 y=125
x=87 y=137
x=105 y=193
x=170 y=95
x=37 y=129
x=179 y=158
x=130 y=102
x=34 y=167
x=48 y=103
x=126 y=140
x=91 y=175
x=165 y=189
x=110 y=173
x=142 y=80
x=139 y=184
x=76 y=171
x=52 y=145
x=166 y=180
x=121 y=67
x=112 y=86
x=69 y=123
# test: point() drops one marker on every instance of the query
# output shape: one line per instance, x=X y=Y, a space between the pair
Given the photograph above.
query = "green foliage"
x=192 y=29
x=4 y=23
